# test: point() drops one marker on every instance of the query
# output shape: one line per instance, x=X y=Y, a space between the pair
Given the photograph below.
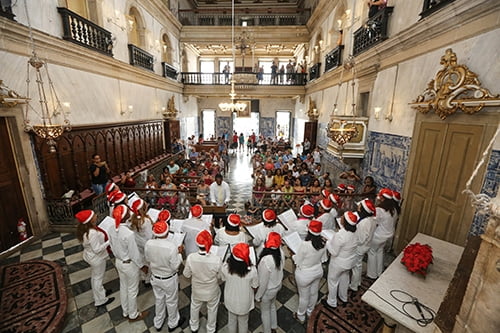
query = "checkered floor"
x=82 y=316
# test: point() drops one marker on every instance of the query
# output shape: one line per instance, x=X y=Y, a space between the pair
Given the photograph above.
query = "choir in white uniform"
x=138 y=245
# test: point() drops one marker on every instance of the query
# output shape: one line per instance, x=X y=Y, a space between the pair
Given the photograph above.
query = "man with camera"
x=99 y=173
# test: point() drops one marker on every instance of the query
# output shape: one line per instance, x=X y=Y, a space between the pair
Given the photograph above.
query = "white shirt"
x=260 y=233
x=270 y=277
x=192 y=227
x=94 y=246
x=163 y=257
x=220 y=194
x=385 y=224
x=203 y=270
x=238 y=292
x=302 y=227
x=223 y=238
x=364 y=233
x=145 y=234
x=342 y=248
x=308 y=257
x=123 y=245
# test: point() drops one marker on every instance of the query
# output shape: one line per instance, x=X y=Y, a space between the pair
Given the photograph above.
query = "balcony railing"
x=314 y=72
x=140 y=58
x=430 y=6
x=245 y=78
x=81 y=31
x=169 y=71
x=373 y=32
x=222 y=17
x=334 y=58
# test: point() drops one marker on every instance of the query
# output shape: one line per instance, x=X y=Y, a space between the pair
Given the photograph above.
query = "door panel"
x=13 y=205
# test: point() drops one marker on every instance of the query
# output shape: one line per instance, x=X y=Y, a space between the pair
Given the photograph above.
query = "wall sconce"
x=66 y=107
x=129 y=110
x=388 y=116
x=339 y=25
x=376 y=112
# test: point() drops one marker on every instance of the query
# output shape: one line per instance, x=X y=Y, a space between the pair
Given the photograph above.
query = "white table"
x=429 y=290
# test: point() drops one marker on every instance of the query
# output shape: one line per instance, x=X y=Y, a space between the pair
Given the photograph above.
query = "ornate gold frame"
x=454 y=87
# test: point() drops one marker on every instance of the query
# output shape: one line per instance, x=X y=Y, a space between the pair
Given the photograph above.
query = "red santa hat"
x=396 y=196
x=325 y=193
x=85 y=216
x=326 y=204
x=268 y=215
x=204 y=239
x=368 y=206
x=118 y=198
x=334 y=198
x=351 y=188
x=197 y=211
x=307 y=210
x=351 y=218
x=234 y=220
x=119 y=213
x=160 y=228
x=110 y=187
x=341 y=187
x=315 y=227
x=164 y=215
x=386 y=193
x=241 y=252
x=273 y=240
x=111 y=194
x=138 y=204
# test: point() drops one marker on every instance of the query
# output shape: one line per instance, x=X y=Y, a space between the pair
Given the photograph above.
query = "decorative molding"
x=454 y=87
x=9 y=98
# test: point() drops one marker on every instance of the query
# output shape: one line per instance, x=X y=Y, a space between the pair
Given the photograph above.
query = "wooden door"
x=445 y=156
x=310 y=132
x=12 y=206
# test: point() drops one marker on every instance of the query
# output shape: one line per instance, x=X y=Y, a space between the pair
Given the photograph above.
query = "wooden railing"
x=431 y=6
x=169 y=71
x=140 y=58
x=334 y=58
x=314 y=71
x=245 y=78
x=81 y=31
x=373 y=32
x=261 y=17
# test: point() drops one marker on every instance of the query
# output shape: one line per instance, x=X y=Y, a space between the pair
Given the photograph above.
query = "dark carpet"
x=32 y=297
x=354 y=316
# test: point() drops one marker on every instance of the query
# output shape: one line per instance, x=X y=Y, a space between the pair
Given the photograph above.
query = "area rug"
x=32 y=297
x=355 y=316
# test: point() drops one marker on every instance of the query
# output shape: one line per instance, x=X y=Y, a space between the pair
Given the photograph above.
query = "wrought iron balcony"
x=169 y=71
x=245 y=78
x=334 y=58
x=431 y=6
x=81 y=31
x=266 y=17
x=373 y=32
x=140 y=58
x=314 y=71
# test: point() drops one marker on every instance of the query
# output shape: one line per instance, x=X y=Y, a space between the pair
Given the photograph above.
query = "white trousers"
x=239 y=321
x=375 y=264
x=129 y=287
x=338 y=281
x=166 y=301
x=97 y=270
x=268 y=310
x=212 y=307
x=357 y=269
x=308 y=287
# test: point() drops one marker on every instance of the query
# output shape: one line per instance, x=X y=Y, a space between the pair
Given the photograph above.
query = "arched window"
x=166 y=49
x=136 y=29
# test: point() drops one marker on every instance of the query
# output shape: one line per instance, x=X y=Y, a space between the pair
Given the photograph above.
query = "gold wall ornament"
x=454 y=87
x=312 y=112
x=171 y=111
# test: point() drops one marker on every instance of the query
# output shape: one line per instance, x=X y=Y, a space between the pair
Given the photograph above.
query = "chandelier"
x=46 y=126
x=342 y=132
x=232 y=106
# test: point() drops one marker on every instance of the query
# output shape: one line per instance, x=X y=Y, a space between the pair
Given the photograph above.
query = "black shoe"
x=109 y=301
x=325 y=304
x=108 y=292
x=179 y=324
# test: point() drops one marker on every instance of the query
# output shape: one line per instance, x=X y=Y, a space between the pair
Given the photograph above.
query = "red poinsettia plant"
x=417 y=258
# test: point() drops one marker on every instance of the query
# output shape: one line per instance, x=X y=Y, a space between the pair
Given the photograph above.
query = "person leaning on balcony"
x=375 y=6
